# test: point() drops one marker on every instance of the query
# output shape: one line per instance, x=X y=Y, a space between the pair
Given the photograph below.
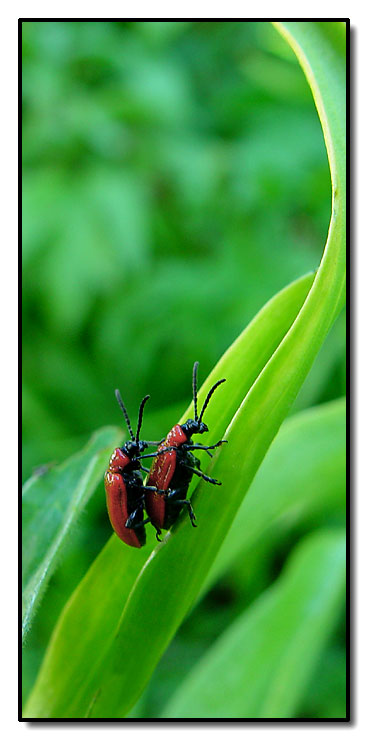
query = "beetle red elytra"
x=124 y=485
x=174 y=466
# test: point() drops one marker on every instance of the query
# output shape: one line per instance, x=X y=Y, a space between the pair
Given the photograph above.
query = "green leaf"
x=325 y=696
x=259 y=668
x=301 y=483
x=172 y=577
x=321 y=48
x=301 y=479
x=175 y=572
x=101 y=596
x=51 y=505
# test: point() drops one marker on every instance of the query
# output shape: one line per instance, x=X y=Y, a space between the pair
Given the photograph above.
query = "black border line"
x=349 y=719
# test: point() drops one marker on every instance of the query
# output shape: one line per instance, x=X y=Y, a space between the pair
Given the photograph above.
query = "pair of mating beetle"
x=174 y=465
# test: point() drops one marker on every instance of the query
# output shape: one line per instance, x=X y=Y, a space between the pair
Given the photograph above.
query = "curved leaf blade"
x=302 y=478
x=176 y=570
x=51 y=505
x=326 y=74
x=300 y=484
x=257 y=421
x=101 y=596
x=259 y=667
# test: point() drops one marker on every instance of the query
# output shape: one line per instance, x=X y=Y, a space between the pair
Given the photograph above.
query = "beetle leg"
x=145 y=470
x=141 y=457
x=154 y=489
x=201 y=475
x=154 y=454
x=191 y=513
x=131 y=522
x=182 y=502
x=138 y=524
x=165 y=449
x=202 y=447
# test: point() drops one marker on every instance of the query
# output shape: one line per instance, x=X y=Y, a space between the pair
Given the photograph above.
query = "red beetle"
x=124 y=485
x=175 y=465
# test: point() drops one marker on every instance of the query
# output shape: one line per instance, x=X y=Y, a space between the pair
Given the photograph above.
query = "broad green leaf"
x=176 y=570
x=302 y=478
x=325 y=696
x=301 y=483
x=259 y=668
x=321 y=48
x=101 y=596
x=51 y=504
x=172 y=577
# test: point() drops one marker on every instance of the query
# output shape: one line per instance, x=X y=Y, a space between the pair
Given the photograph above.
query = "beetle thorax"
x=118 y=461
x=175 y=437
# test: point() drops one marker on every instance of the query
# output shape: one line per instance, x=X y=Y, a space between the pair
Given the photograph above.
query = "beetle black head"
x=133 y=447
x=196 y=425
x=193 y=426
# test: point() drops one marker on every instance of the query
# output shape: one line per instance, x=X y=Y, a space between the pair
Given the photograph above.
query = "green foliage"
x=172 y=184
x=177 y=190
x=269 y=652
x=302 y=479
x=52 y=502
x=98 y=592
x=300 y=486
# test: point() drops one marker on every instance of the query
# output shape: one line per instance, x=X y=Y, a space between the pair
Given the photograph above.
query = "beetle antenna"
x=209 y=394
x=120 y=402
x=140 y=416
x=194 y=383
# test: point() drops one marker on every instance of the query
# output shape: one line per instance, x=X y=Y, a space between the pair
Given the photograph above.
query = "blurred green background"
x=174 y=178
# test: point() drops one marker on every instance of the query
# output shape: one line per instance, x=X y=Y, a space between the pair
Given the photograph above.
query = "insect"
x=175 y=465
x=124 y=485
